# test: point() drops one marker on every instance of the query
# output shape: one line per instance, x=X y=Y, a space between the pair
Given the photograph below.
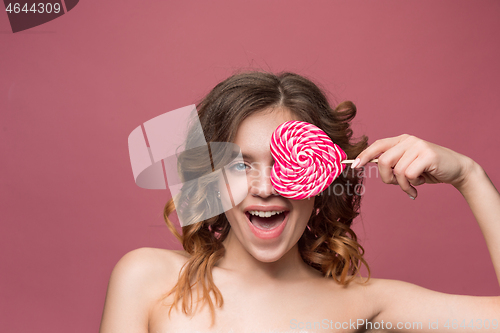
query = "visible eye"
x=239 y=166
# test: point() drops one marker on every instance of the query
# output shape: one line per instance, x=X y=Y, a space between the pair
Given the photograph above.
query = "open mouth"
x=266 y=220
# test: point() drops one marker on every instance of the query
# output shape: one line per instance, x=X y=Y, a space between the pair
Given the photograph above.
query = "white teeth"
x=265 y=214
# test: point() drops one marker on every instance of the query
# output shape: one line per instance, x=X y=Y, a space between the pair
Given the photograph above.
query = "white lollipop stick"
x=375 y=160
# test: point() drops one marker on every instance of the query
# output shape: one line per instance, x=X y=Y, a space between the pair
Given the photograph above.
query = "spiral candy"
x=306 y=161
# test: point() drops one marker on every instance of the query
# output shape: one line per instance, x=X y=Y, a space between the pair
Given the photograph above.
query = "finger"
x=406 y=186
x=419 y=171
x=417 y=182
x=391 y=158
x=377 y=148
x=400 y=172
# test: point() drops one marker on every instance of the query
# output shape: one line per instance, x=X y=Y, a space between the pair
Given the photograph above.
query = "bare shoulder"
x=150 y=254
x=374 y=283
x=149 y=271
x=378 y=292
x=136 y=281
x=149 y=264
x=386 y=290
x=381 y=288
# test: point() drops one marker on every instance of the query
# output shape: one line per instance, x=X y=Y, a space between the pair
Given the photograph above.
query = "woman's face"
x=266 y=238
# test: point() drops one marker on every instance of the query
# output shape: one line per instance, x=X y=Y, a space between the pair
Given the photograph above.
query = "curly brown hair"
x=328 y=244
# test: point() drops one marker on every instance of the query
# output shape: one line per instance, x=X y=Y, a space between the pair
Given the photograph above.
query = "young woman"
x=273 y=264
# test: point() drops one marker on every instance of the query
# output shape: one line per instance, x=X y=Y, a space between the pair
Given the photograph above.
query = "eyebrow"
x=247 y=156
x=250 y=157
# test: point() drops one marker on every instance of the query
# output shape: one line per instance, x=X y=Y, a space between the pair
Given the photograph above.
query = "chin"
x=269 y=253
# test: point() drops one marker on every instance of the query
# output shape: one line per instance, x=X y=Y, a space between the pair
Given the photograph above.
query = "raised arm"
x=484 y=201
x=409 y=161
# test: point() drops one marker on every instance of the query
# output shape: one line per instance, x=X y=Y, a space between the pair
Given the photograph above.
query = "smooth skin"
x=266 y=286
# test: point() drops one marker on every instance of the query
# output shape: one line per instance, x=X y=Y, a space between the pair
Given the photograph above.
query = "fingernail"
x=355 y=163
x=412 y=198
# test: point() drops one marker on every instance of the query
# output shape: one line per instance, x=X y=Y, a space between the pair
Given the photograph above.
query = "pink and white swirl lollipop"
x=306 y=161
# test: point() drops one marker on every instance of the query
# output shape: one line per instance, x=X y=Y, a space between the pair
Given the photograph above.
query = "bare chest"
x=300 y=308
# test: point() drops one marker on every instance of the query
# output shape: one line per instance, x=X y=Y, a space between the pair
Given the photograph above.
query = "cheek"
x=305 y=207
x=233 y=221
x=230 y=217
x=234 y=191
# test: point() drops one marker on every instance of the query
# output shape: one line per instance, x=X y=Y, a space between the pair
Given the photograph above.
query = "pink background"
x=73 y=89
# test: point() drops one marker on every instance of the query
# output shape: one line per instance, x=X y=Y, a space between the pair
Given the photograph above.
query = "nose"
x=260 y=183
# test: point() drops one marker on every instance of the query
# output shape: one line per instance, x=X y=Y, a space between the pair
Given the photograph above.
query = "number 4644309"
x=474 y=324
x=35 y=8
